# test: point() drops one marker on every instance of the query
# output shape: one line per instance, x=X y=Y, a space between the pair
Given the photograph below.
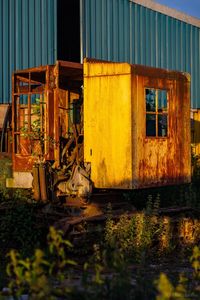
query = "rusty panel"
x=22 y=163
x=116 y=145
x=162 y=160
x=5 y=128
x=55 y=86
x=49 y=113
x=3 y=112
x=29 y=109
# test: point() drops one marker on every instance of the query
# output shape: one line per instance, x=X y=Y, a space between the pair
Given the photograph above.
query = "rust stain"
x=115 y=140
x=42 y=99
x=154 y=160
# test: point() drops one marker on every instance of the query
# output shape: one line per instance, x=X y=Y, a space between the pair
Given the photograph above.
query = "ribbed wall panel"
x=120 y=30
x=106 y=29
x=28 y=38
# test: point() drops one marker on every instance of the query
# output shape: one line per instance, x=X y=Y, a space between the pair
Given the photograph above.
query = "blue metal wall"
x=120 y=30
x=117 y=30
x=28 y=38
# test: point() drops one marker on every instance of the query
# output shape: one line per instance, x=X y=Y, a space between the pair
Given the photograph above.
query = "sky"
x=190 y=7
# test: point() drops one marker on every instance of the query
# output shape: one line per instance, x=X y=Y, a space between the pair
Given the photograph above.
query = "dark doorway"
x=68 y=30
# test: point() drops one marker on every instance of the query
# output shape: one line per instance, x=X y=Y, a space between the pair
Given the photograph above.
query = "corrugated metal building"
x=143 y=32
x=27 y=38
x=36 y=32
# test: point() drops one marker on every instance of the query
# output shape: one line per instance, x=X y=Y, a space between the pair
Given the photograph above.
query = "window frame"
x=157 y=113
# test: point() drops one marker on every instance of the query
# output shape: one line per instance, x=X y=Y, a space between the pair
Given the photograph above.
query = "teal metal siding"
x=120 y=30
x=105 y=29
x=28 y=38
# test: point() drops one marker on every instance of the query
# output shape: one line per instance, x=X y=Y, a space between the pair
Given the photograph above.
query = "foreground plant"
x=29 y=276
x=146 y=233
x=183 y=290
x=106 y=275
x=34 y=275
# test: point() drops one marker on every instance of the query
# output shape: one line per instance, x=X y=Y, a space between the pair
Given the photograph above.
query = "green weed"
x=183 y=289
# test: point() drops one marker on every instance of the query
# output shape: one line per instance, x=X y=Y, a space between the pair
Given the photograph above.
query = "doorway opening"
x=68 y=30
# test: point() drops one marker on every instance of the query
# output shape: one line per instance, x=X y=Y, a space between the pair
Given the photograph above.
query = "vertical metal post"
x=36 y=183
x=43 y=185
x=81 y=31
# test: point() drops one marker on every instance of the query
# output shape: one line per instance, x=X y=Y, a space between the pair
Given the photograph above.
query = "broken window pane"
x=150 y=125
x=162 y=125
x=150 y=100
x=162 y=101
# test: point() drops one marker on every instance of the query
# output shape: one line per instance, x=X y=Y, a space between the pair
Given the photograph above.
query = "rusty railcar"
x=136 y=125
x=42 y=101
x=124 y=126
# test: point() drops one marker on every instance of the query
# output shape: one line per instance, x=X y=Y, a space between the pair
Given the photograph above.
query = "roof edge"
x=168 y=11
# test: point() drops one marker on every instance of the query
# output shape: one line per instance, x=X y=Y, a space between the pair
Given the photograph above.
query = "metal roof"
x=168 y=11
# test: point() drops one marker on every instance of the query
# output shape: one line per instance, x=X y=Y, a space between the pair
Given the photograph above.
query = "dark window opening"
x=156 y=113
x=68 y=30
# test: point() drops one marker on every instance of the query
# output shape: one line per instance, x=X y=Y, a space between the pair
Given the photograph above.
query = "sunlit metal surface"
x=115 y=140
x=42 y=103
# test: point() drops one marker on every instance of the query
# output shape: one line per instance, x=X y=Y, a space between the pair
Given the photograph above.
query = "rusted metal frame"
x=25 y=90
x=18 y=132
x=67 y=99
x=42 y=124
x=64 y=108
x=156 y=113
x=46 y=115
x=72 y=74
x=13 y=116
x=16 y=111
x=27 y=80
x=68 y=64
x=34 y=70
x=153 y=72
x=68 y=115
x=42 y=131
x=56 y=113
x=29 y=105
x=18 y=91
x=16 y=121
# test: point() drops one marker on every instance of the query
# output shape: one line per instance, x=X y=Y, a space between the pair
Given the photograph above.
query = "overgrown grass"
x=146 y=233
x=20 y=228
x=117 y=267
x=106 y=275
